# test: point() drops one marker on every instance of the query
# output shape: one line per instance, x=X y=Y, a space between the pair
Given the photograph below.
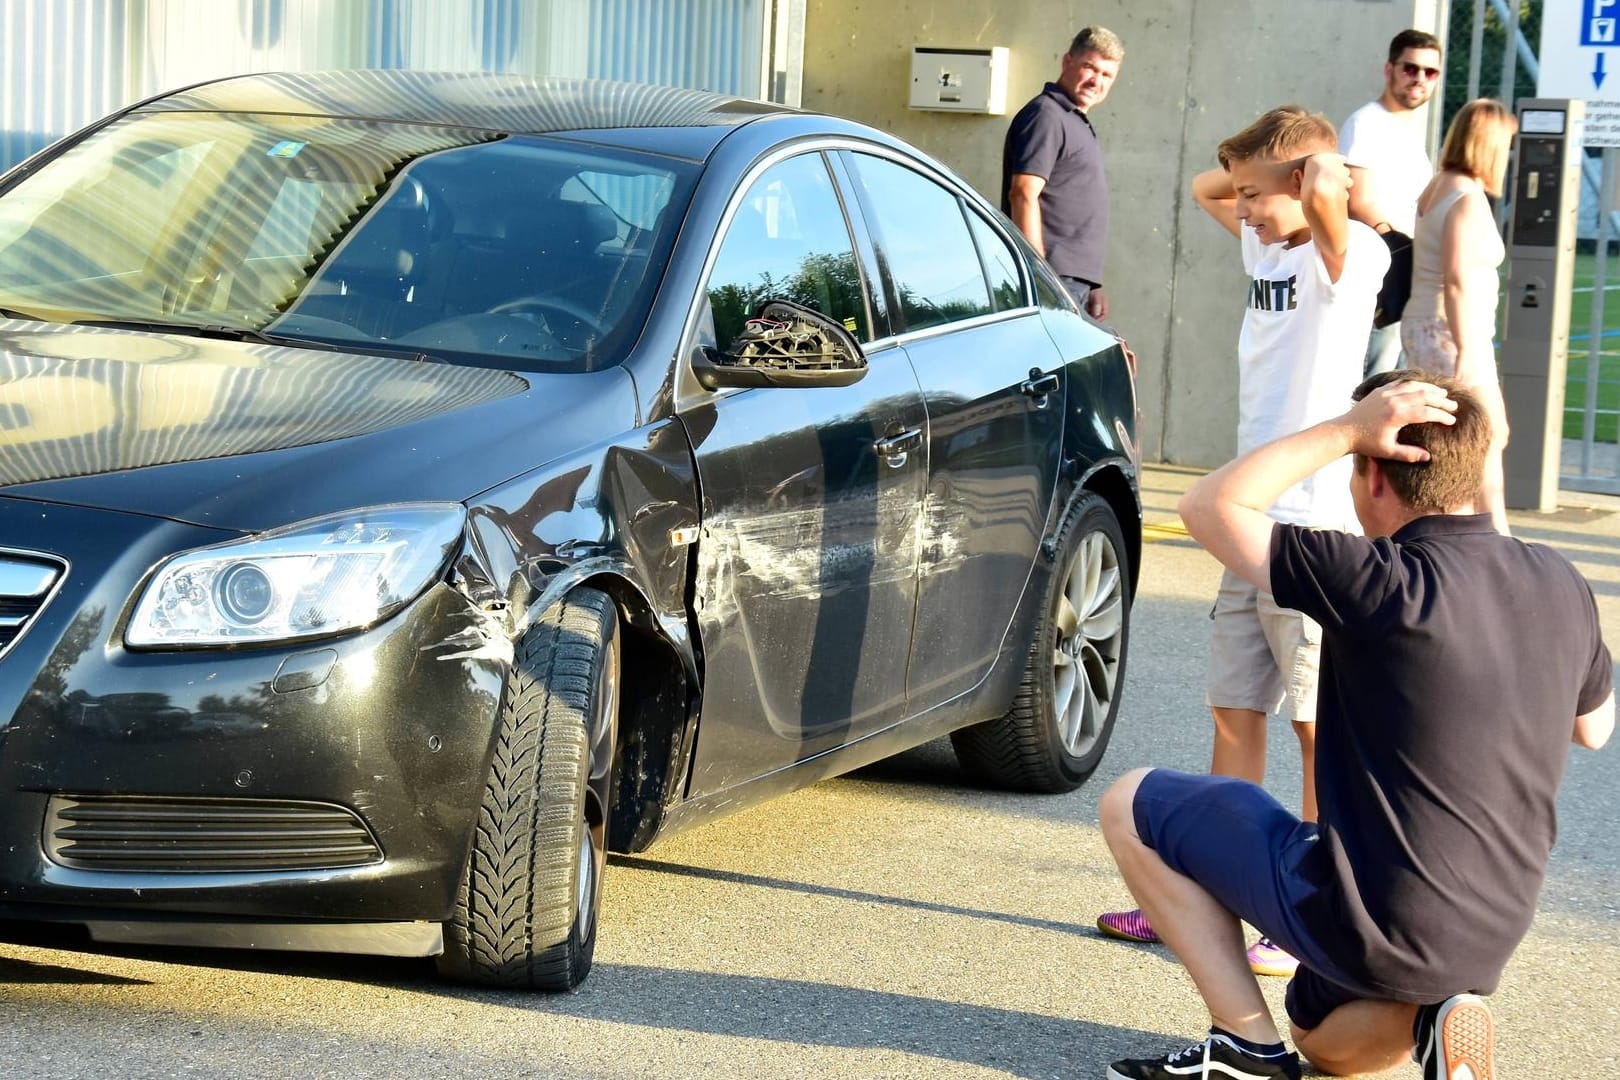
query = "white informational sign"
x=1580 y=58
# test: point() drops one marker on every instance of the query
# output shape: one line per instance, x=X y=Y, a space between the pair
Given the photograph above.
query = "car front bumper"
x=175 y=795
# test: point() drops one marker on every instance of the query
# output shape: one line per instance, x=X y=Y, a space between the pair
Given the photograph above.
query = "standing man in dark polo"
x=1052 y=182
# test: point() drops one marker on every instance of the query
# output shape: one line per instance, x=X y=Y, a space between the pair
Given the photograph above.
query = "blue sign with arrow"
x=1598 y=22
x=1577 y=39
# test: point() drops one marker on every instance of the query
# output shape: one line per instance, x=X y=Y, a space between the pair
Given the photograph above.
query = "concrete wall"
x=1195 y=71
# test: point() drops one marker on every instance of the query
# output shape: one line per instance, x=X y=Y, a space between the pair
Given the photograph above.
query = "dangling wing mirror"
x=784 y=344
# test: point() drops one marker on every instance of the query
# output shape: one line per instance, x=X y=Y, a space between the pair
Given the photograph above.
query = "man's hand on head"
x=1375 y=422
x=1226 y=511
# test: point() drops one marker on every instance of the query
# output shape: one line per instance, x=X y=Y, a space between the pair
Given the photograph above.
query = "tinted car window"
x=788 y=241
x=506 y=252
x=527 y=251
x=1006 y=289
x=924 y=239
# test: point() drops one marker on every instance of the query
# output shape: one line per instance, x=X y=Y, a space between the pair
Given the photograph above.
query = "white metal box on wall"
x=959 y=80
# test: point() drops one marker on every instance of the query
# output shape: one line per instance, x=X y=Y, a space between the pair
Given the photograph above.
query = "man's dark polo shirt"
x=1051 y=138
x=1454 y=663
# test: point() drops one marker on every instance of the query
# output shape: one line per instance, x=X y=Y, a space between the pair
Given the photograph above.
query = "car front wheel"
x=526 y=909
x=1054 y=735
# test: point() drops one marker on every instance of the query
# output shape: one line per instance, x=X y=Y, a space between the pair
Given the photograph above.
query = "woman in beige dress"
x=1450 y=319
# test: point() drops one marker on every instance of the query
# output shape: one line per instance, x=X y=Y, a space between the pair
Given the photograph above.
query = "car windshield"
x=525 y=253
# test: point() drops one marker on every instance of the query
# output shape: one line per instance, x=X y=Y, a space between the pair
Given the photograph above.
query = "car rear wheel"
x=526 y=910
x=1054 y=735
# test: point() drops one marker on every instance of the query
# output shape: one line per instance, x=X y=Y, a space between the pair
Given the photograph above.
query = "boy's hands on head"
x=1326 y=174
x=1324 y=186
x=1375 y=422
x=1214 y=193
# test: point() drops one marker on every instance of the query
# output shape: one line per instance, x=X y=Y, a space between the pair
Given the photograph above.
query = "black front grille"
x=178 y=835
x=26 y=583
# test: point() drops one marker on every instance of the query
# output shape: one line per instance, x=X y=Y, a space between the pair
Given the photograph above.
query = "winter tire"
x=526 y=909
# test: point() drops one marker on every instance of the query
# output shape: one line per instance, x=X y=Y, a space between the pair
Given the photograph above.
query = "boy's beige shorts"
x=1263 y=657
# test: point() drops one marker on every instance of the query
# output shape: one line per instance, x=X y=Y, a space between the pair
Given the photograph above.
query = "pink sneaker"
x=1267 y=958
x=1127 y=926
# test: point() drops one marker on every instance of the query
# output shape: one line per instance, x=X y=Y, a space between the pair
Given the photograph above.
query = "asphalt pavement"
x=893 y=923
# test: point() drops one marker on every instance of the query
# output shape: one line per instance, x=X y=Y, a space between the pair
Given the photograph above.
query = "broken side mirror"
x=784 y=344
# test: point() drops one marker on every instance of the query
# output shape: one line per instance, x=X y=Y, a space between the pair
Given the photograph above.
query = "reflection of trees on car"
x=829 y=283
x=920 y=311
x=1008 y=295
x=52 y=681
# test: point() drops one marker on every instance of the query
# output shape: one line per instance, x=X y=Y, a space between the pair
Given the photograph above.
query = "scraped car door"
x=807 y=557
x=993 y=383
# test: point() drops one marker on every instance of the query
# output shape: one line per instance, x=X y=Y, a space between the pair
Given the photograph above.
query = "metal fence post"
x=1476 y=47
x=1510 y=55
x=1594 y=352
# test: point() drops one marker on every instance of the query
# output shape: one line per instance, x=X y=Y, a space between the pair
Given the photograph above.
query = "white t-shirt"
x=1392 y=147
x=1300 y=355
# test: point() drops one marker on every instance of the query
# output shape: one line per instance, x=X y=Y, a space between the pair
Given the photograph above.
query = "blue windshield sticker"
x=286 y=148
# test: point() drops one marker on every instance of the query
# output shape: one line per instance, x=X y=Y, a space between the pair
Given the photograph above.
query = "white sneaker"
x=1456 y=1040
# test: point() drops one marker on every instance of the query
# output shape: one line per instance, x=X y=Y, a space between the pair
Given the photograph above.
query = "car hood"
x=247 y=437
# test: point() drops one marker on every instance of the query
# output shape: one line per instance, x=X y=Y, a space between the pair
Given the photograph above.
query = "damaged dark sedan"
x=415 y=486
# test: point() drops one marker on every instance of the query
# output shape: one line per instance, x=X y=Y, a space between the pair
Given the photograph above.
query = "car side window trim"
x=885 y=279
x=1019 y=269
x=989 y=319
x=1025 y=272
x=879 y=306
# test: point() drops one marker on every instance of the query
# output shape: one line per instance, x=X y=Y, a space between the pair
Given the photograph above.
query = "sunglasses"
x=1412 y=71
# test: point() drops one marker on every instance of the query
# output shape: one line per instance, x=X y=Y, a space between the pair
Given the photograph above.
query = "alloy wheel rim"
x=1090 y=627
x=586 y=884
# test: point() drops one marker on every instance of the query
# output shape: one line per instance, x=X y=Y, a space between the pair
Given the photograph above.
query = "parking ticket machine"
x=1545 y=187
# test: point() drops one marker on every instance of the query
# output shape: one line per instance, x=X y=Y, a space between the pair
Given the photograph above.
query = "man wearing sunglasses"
x=1384 y=143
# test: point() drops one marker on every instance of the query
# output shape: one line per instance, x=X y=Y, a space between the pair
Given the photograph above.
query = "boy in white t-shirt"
x=1314 y=276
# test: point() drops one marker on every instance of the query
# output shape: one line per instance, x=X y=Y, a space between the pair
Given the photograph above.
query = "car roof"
x=517 y=104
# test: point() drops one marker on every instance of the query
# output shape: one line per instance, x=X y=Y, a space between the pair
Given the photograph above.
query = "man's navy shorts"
x=1240 y=844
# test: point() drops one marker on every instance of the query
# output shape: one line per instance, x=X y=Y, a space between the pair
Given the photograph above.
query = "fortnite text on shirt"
x=1273 y=295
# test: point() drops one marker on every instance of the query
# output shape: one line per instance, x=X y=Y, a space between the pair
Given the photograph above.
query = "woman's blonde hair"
x=1478 y=141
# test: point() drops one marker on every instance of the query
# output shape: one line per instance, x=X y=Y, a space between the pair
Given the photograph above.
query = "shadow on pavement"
x=788 y=1011
x=18 y=972
x=67 y=939
x=1021 y=1044
x=633 y=863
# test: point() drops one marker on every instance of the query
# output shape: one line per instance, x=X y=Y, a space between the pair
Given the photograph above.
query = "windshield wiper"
x=247 y=333
x=13 y=313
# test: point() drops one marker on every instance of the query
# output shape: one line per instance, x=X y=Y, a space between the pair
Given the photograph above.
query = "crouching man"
x=1440 y=749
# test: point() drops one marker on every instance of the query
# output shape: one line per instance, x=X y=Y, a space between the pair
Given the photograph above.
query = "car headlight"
x=317 y=577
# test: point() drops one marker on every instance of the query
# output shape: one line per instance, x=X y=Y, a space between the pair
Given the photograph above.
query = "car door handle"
x=894 y=448
x=1039 y=386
